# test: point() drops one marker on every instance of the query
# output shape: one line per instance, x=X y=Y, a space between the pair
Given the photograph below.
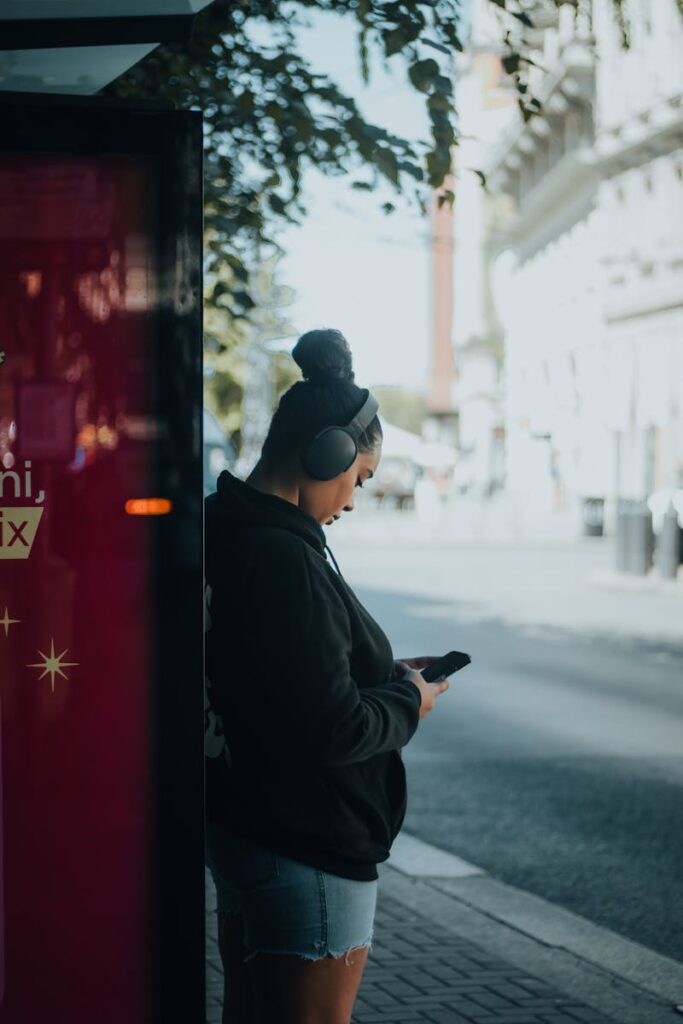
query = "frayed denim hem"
x=319 y=955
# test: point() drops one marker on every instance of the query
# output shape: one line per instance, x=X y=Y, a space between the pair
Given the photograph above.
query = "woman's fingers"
x=421 y=662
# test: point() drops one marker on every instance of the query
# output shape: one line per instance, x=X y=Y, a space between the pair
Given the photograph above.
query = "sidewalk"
x=547 y=577
x=457 y=947
x=503 y=519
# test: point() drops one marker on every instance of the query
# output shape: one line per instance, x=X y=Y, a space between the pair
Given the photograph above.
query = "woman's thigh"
x=288 y=989
x=304 y=933
x=285 y=987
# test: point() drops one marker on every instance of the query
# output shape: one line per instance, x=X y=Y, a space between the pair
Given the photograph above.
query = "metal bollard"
x=669 y=546
x=621 y=534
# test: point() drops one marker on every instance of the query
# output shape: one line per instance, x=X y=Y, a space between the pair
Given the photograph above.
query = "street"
x=555 y=760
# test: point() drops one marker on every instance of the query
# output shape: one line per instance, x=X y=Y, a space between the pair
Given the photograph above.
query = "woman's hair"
x=326 y=397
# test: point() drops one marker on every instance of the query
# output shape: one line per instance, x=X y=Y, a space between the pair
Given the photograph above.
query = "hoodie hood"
x=235 y=505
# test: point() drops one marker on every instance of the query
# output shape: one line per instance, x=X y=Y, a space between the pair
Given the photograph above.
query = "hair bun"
x=324 y=356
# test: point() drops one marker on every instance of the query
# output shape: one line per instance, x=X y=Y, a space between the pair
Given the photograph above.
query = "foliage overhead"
x=268 y=115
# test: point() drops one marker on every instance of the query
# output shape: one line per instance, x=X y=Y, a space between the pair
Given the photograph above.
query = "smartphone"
x=446 y=666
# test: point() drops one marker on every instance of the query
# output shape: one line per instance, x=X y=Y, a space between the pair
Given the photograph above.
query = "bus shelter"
x=101 y=598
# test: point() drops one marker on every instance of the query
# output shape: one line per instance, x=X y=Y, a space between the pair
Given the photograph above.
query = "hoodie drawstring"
x=328 y=548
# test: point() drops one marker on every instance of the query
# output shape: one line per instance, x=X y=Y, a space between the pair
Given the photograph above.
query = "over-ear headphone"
x=333 y=449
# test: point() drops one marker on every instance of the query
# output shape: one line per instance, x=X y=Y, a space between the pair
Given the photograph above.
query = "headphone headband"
x=363 y=417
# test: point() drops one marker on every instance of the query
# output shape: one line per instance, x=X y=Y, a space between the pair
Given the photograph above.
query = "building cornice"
x=655 y=133
x=561 y=197
x=661 y=298
x=570 y=85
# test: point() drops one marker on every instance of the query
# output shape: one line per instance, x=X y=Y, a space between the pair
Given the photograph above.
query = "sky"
x=352 y=266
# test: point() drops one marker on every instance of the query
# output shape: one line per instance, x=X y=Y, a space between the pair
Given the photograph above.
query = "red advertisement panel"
x=77 y=298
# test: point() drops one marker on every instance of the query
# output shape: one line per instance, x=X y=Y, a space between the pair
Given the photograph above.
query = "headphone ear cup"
x=329 y=453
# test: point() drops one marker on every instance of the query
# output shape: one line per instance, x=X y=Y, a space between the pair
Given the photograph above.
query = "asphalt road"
x=554 y=761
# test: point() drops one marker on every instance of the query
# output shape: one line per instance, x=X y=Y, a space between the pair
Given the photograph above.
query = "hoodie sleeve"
x=314 y=706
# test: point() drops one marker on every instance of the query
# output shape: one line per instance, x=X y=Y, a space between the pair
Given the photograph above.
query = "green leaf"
x=412 y=169
x=219 y=290
x=230 y=225
x=395 y=40
x=422 y=73
x=244 y=299
x=526 y=112
x=449 y=30
x=441 y=126
x=438 y=166
x=276 y=203
x=363 y=54
x=510 y=63
x=437 y=46
x=443 y=85
x=385 y=160
x=371 y=131
x=438 y=101
x=237 y=267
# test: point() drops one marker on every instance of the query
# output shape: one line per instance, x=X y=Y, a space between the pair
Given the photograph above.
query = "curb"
x=616 y=976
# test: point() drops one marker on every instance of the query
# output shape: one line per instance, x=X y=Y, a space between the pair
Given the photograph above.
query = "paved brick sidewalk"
x=420 y=973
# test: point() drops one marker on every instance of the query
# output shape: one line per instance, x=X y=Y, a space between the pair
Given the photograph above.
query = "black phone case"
x=446 y=666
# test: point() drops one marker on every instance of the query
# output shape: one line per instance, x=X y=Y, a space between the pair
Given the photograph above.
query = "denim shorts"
x=286 y=906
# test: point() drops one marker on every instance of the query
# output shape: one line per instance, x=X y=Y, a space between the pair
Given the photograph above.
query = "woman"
x=309 y=793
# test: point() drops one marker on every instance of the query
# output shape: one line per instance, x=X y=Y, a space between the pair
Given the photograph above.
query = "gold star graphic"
x=7 y=622
x=53 y=663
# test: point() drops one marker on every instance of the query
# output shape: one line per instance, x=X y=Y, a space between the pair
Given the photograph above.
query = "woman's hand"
x=408 y=668
x=401 y=666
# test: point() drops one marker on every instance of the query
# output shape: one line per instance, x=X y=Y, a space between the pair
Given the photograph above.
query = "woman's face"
x=325 y=500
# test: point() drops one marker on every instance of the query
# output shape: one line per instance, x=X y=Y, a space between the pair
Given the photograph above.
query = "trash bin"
x=640 y=539
x=669 y=545
x=593 y=516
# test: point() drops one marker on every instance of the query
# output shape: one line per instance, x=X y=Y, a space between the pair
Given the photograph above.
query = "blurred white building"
x=590 y=289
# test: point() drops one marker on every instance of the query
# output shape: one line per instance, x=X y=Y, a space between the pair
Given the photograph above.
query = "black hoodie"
x=301 y=676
